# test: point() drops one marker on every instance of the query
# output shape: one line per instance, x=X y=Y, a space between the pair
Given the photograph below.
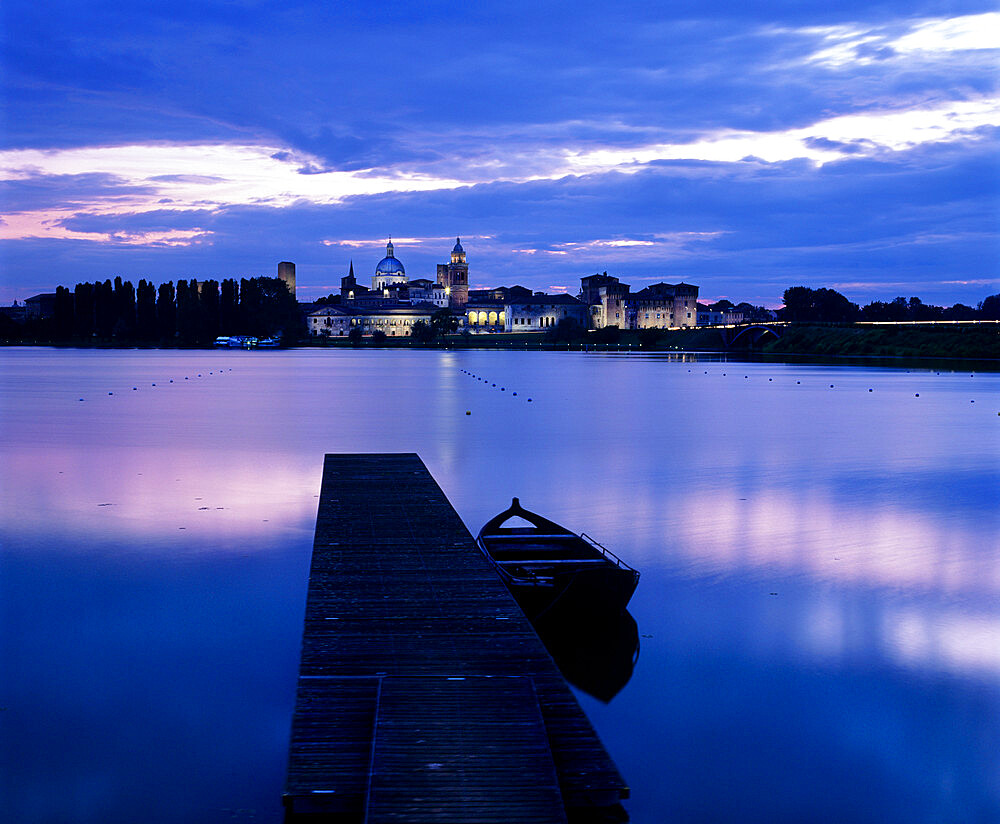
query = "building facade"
x=665 y=306
x=540 y=312
x=454 y=276
x=389 y=270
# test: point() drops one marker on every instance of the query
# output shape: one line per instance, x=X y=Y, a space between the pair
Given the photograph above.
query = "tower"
x=389 y=270
x=454 y=276
x=286 y=272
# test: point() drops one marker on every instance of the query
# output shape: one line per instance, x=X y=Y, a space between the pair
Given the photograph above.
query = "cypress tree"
x=208 y=317
x=63 y=315
x=124 y=328
x=83 y=311
x=145 y=311
x=228 y=307
x=166 y=313
x=104 y=309
x=187 y=311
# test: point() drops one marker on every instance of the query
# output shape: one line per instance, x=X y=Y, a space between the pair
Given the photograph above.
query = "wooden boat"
x=550 y=570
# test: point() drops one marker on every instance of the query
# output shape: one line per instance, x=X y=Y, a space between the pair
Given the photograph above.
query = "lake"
x=819 y=607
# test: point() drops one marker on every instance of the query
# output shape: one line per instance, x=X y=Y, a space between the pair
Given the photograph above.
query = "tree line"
x=829 y=306
x=188 y=313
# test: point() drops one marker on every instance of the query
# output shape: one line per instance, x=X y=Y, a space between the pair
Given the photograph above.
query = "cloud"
x=740 y=145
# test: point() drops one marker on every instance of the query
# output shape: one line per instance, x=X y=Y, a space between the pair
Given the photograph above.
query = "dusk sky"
x=743 y=148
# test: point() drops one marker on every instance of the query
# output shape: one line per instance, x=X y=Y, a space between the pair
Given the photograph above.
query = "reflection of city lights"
x=949 y=639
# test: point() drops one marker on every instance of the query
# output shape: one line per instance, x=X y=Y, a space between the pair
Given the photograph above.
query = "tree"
x=649 y=337
x=145 y=311
x=124 y=328
x=83 y=311
x=422 y=332
x=444 y=322
x=63 y=314
x=817 y=305
x=566 y=331
x=607 y=334
x=989 y=309
x=208 y=316
x=104 y=310
x=166 y=312
x=228 y=306
x=187 y=311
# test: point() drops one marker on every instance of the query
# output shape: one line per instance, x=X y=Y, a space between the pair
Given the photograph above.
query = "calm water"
x=818 y=612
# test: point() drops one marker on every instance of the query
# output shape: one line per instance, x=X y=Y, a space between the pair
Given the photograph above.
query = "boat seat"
x=550 y=561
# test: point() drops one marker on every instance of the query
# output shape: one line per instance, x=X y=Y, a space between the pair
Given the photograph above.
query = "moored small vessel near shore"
x=551 y=570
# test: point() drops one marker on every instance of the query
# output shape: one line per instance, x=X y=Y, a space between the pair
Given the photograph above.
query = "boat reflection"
x=596 y=657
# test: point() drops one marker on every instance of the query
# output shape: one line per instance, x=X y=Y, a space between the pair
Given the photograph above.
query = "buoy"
x=871 y=390
x=154 y=384
x=798 y=381
x=503 y=389
x=529 y=400
x=916 y=395
x=111 y=393
x=515 y=393
x=468 y=412
x=81 y=399
x=171 y=380
x=135 y=388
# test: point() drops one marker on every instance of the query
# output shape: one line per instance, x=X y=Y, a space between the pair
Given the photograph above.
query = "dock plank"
x=400 y=600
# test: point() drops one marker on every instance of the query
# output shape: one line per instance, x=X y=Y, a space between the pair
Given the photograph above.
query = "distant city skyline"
x=745 y=150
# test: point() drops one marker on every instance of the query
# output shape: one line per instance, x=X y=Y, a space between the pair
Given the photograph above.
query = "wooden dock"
x=424 y=694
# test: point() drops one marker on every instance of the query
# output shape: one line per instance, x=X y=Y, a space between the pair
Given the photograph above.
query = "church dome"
x=458 y=246
x=389 y=265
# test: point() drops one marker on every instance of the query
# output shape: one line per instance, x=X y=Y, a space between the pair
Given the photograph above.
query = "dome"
x=389 y=266
x=458 y=246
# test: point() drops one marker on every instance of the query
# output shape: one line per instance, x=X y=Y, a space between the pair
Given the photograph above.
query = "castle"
x=394 y=303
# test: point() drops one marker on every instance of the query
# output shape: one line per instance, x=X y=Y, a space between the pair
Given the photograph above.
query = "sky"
x=745 y=148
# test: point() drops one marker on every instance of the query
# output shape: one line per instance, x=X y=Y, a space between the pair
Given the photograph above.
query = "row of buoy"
x=171 y=380
x=491 y=385
x=832 y=386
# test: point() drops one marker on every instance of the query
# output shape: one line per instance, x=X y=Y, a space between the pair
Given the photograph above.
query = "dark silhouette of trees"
x=105 y=316
x=228 y=307
x=566 y=331
x=267 y=308
x=607 y=334
x=208 y=316
x=125 y=323
x=166 y=313
x=444 y=322
x=83 y=311
x=187 y=311
x=817 y=305
x=989 y=309
x=63 y=315
x=422 y=332
x=145 y=312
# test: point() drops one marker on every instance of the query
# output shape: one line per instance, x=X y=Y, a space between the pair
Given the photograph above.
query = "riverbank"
x=980 y=342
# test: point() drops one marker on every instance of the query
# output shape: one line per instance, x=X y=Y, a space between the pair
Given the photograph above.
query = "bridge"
x=754 y=333
x=424 y=693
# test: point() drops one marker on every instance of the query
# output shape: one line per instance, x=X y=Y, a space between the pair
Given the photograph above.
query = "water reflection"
x=818 y=603
x=596 y=657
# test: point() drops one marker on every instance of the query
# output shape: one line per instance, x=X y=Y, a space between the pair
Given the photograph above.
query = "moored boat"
x=550 y=569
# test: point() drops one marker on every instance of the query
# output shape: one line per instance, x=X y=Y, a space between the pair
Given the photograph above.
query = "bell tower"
x=456 y=277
